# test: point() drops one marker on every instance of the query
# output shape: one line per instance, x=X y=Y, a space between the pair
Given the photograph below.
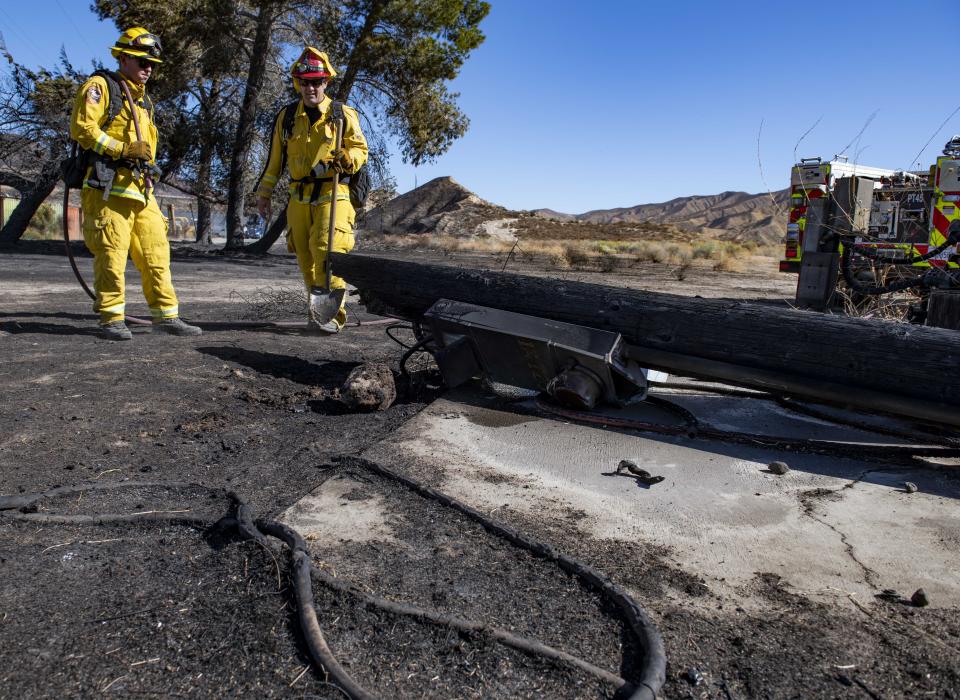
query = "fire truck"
x=879 y=230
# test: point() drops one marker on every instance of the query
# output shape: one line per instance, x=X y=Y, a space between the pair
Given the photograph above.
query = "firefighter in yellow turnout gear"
x=310 y=154
x=120 y=214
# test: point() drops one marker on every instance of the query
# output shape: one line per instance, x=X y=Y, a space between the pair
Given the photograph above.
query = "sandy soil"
x=170 y=610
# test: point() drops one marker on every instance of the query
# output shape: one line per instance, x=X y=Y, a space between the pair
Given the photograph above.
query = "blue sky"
x=578 y=106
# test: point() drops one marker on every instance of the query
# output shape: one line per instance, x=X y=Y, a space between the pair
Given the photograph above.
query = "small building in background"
x=178 y=207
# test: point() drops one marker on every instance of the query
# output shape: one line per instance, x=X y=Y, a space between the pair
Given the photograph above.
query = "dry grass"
x=472 y=244
x=885 y=307
x=888 y=307
x=578 y=246
x=537 y=228
x=577 y=254
x=727 y=263
x=705 y=250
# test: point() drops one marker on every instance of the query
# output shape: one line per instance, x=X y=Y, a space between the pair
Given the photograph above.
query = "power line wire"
x=24 y=37
x=80 y=32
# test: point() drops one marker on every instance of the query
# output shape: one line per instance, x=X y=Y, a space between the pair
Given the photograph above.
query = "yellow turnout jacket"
x=90 y=111
x=308 y=145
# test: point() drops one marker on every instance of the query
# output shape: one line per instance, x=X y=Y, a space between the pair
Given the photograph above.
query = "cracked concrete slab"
x=897 y=536
x=831 y=526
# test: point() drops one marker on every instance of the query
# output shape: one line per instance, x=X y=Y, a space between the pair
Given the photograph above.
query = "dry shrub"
x=733 y=250
x=682 y=257
x=726 y=263
x=551 y=251
x=577 y=255
x=478 y=244
x=680 y=254
x=650 y=251
x=705 y=250
x=449 y=244
x=555 y=253
x=608 y=261
x=606 y=248
x=390 y=241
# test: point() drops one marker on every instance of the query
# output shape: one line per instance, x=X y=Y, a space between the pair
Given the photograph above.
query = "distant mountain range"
x=728 y=215
x=443 y=206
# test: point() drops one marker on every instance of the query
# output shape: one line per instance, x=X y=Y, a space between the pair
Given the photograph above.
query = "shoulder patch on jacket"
x=94 y=95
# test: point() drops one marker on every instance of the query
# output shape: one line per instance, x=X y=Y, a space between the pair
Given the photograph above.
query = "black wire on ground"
x=420 y=345
x=172 y=518
x=25 y=500
x=66 y=242
x=303 y=590
x=395 y=327
x=652 y=674
x=691 y=425
x=460 y=624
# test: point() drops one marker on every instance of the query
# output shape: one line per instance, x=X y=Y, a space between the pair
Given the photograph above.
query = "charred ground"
x=170 y=610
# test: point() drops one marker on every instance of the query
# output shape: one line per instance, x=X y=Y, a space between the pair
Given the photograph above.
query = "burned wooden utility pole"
x=881 y=366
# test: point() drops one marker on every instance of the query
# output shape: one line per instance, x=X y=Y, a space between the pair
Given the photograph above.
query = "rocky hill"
x=728 y=215
x=445 y=207
x=442 y=206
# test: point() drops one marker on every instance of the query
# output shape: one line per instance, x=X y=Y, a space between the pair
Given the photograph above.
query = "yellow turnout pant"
x=308 y=228
x=115 y=229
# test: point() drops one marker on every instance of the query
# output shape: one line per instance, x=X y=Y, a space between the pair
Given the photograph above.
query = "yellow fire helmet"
x=138 y=42
x=311 y=65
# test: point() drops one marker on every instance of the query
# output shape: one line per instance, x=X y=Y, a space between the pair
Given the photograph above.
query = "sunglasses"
x=145 y=63
x=313 y=83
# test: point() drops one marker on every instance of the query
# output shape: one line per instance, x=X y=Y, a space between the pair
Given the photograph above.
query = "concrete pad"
x=332 y=512
x=831 y=526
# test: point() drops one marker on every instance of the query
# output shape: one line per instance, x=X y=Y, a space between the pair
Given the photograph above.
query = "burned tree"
x=34 y=136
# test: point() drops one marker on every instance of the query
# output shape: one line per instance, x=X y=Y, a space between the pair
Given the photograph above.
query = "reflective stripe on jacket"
x=90 y=110
x=308 y=145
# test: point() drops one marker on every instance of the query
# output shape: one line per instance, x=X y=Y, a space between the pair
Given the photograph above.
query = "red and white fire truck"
x=911 y=214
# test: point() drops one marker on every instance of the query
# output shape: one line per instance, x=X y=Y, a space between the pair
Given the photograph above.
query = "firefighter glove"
x=342 y=162
x=138 y=150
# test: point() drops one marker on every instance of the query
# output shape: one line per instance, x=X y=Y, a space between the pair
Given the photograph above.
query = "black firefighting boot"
x=175 y=326
x=115 y=330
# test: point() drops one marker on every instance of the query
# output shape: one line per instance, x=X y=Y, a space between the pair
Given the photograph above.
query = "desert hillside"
x=445 y=207
x=441 y=206
x=728 y=215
